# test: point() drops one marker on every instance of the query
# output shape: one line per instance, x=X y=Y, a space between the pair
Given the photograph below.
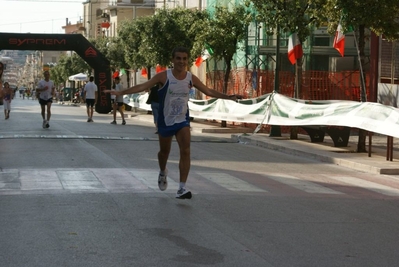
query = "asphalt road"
x=85 y=194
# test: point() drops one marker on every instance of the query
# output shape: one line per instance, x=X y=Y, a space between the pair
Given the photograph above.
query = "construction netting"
x=316 y=85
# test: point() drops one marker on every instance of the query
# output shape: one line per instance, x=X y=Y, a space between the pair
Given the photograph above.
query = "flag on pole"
x=339 y=40
x=159 y=68
x=294 y=48
x=207 y=53
x=122 y=72
x=144 y=72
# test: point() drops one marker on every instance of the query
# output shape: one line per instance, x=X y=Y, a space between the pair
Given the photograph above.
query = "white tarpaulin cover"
x=276 y=109
x=78 y=77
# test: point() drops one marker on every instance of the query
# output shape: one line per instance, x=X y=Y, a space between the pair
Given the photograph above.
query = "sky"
x=38 y=16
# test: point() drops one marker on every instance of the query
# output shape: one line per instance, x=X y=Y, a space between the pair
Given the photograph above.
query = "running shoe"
x=183 y=193
x=123 y=122
x=88 y=120
x=47 y=124
x=44 y=124
x=162 y=181
x=113 y=122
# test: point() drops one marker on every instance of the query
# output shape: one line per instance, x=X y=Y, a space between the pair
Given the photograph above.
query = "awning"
x=78 y=77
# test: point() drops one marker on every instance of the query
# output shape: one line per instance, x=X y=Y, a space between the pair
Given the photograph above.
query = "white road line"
x=79 y=180
x=230 y=182
x=375 y=187
x=302 y=185
x=150 y=179
x=145 y=179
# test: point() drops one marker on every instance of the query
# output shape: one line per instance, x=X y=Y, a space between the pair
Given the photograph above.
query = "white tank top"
x=176 y=98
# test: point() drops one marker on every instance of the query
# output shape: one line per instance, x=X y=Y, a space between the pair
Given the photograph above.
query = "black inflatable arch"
x=67 y=42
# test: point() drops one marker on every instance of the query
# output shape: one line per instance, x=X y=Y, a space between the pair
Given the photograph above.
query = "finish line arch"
x=67 y=42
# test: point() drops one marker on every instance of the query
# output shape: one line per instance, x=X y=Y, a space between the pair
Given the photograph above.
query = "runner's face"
x=180 y=60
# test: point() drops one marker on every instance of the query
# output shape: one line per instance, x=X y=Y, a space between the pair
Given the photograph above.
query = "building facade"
x=102 y=18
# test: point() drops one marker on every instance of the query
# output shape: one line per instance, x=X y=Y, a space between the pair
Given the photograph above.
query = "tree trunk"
x=128 y=77
x=297 y=92
x=226 y=83
x=361 y=144
x=226 y=77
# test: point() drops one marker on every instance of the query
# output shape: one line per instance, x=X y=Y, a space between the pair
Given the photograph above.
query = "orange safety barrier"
x=316 y=85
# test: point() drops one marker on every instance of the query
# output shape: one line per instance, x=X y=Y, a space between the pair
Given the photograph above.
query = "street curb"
x=308 y=150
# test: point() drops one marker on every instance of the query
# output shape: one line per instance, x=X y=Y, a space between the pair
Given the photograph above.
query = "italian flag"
x=339 y=40
x=207 y=53
x=144 y=72
x=159 y=68
x=294 y=48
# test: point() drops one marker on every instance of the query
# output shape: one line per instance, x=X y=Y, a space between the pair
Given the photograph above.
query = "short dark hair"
x=91 y=78
x=180 y=49
x=117 y=78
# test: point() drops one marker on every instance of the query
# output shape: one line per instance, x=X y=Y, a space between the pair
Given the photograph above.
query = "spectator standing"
x=1 y=78
x=153 y=100
x=118 y=102
x=90 y=97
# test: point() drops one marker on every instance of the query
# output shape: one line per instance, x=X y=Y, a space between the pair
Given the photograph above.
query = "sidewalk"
x=326 y=152
x=302 y=147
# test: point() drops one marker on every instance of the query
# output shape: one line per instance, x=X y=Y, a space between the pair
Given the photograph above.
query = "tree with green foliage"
x=149 y=41
x=69 y=65
x=226 y=30
x=132 y=34
x=112 y=48
x=180 y=27
x=298 y=16
x=380 y=17
x=56 y=74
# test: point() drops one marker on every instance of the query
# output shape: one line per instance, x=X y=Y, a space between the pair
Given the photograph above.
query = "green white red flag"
x=206 y=53
x=339 y=40
x=294 y=48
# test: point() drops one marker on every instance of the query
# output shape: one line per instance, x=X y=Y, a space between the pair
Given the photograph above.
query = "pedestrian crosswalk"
x=303 y=185
x=31 y=181
x=230 y=182
x=372 y=186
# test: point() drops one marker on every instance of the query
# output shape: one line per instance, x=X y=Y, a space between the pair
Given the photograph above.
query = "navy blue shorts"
x=166 y=131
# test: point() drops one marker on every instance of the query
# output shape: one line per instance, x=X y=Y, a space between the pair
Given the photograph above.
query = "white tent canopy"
x=78 y=77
